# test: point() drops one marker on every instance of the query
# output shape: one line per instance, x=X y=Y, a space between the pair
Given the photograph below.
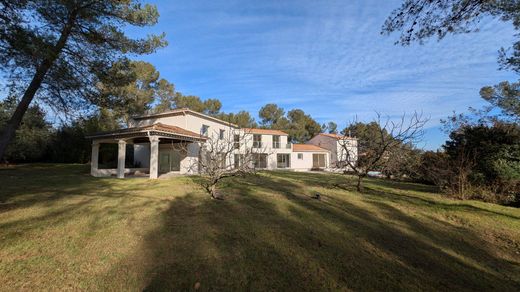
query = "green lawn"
x=62 y=229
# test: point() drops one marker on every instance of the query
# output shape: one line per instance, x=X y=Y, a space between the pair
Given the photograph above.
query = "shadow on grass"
x=64 y=193
x=456 y=205
x=390 y=190
x=271 y=235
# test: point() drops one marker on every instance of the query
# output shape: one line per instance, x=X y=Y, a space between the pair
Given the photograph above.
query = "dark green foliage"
x=300 y=126
x=209 y=106
x=375 y=146
x=32 y=137
x=504 y=96
x=60 y=51
x=69 y=145
x=434 y=168
x=478 y=162
x=93 y=40
x=490 y=155
x=270 y=115
x=138 y=96
x=164 y=95
x=330 y=127
x=242 y=119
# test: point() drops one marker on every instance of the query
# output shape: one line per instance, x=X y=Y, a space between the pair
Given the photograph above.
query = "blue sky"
x=325 y=57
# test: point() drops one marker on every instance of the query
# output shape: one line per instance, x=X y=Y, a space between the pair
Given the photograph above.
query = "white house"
x=341 y=148
x=156 y=137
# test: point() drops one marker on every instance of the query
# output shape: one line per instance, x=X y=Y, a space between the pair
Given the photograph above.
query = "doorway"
x=318 y=160
x=283 y=160
x=169 y=160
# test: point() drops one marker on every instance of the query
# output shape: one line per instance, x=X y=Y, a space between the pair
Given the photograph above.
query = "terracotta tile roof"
x=264 y=131
x=173 y=130
x=159 y=127
x=336 y=136
x=308 y=148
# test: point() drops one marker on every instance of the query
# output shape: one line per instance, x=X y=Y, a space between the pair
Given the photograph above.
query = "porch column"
x=154 y=157
x=94 y=158
x=121 y=153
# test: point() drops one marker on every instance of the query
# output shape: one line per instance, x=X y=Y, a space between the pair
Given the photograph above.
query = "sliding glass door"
x=283 y=160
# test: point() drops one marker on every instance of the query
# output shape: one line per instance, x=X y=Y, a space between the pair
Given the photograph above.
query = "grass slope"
x=62 y=229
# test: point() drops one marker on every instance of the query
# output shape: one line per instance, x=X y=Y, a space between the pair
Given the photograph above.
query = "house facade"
x=341 y=148
x=172 y=142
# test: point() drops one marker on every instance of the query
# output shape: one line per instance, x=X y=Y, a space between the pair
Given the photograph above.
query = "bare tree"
x=377 y=141
x=223 y=156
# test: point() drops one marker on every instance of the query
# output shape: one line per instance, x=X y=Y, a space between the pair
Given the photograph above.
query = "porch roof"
x=157 y=129
x=308 y=148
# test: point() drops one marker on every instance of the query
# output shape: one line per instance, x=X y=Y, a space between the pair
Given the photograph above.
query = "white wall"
x=190 y=162
x=306 y=162
x=328 y=143
x=335 y=146
x=176 y=120
x=194 y=123
x=267 y=147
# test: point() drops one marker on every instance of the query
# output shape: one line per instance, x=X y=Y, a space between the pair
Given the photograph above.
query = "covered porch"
x=157 y=149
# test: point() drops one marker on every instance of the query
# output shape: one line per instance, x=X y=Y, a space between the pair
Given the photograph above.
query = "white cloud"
x=326 y=57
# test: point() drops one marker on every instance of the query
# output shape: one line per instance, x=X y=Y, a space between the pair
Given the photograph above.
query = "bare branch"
x=377 y=141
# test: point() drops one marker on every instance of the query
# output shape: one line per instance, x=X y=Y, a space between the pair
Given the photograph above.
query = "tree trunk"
x=21 y=108
x=359 y=185
x=13 y=124
x=213 y=191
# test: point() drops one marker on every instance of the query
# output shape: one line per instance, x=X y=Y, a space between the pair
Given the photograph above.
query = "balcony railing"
x=277 y=145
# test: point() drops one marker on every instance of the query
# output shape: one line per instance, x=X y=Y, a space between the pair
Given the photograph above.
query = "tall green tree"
x=208 y=106
x=212 y=106
x=270 y=114
x=68 y=144
x=242 y=119
x=32 y=137
x=139 y=96
x=330 y=127
x=486 y=156
x=136 y=96
x=165 y=93
x=59 y=51
x=302 y=127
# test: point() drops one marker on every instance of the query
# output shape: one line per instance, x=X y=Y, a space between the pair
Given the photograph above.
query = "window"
x=236 y=141
x=236 y=161
x=300 y=155
x=318 y=160
x=221 y=134
x=223 y=160
x=204 y=130
x=257 y=141
x=260 y=160
x=276 y=141
x=282 y=160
